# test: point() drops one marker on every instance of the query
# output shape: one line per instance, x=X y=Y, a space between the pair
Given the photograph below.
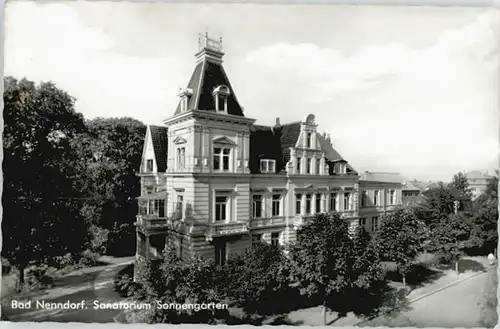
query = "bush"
x=6 y=266
x=122 y=284
x=125 y=285
x=488 y=304
x=37 y=278
x=89 y=258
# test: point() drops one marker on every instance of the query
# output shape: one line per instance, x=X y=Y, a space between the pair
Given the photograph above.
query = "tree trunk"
x=21 y=274
x=324 y=313
x=456 y=268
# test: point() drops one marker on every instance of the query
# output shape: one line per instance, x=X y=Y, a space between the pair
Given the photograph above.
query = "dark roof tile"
x=160 y=144
x=289 y=135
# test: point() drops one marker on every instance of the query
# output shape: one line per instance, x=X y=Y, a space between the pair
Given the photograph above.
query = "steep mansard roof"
x=160 y=146
x=206 y=77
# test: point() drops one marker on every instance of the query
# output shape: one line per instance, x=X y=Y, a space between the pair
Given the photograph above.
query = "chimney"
x=278 y=124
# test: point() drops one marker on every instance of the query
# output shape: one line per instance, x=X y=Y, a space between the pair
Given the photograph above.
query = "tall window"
x=181 y=157
x=308 y=203
x=318 y=167
x=220 y=253
x=375 y=198
x=179 y=206
x=392 y=196
x=363 y=199
x=221 y=208
x=267 y=165
x=156 y=208
x=149 y=165
x=374 y=224
x=298 y=203
x=275 y=238
x=299 y=160
x=257 y=206
x=318 y=203
x=347 y=201
x=276 y=211
x=308 y=167
x=333 y=201
x=362 y=222
x=309 y=140
x=221 y=158
x=161 y=208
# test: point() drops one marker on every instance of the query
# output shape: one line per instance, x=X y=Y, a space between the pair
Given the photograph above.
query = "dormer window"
x=220 y=94
x=309 y=140
x=340 y=168
x=267 y=166
x=185 y=94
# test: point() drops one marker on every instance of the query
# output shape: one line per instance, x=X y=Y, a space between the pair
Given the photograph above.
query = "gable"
x=179 y=140
x=224 y=140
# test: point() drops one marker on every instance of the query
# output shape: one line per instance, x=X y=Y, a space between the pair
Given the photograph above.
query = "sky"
x=400 y=89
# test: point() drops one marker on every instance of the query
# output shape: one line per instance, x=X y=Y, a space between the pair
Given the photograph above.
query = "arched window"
x=220 y=94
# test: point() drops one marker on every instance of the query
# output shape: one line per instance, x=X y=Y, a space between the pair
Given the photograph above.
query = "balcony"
x=301 y=220
x=348 y=214
x=151 y=221
x=267 y=222
x=225 y=229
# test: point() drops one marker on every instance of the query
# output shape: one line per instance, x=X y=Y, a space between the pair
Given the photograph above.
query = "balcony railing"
x=348 y=213
x=302 y=219
x=151 y=221
x=224 y=229
x=267 y=222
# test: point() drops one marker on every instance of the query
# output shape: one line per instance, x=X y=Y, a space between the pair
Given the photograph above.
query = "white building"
x=212 y=181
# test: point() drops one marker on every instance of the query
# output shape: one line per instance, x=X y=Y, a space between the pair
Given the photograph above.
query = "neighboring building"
x=213 y=182
x=425 y=186
x=411 y=194
x=379 y=193
x=478 y=181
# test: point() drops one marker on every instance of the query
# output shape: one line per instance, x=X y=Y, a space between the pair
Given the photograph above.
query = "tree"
x=459 y=188
x=41 y=201
x=172 y=281
x=367 y=276
x=450 y=238
x=437 y=203
x=321 y=260
x=484 y=218
x=258 y=278
x=113 y=150
x=400 y=238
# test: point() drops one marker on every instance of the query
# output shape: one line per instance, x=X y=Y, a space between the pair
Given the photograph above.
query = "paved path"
x=88 y=285
x=456 y=306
